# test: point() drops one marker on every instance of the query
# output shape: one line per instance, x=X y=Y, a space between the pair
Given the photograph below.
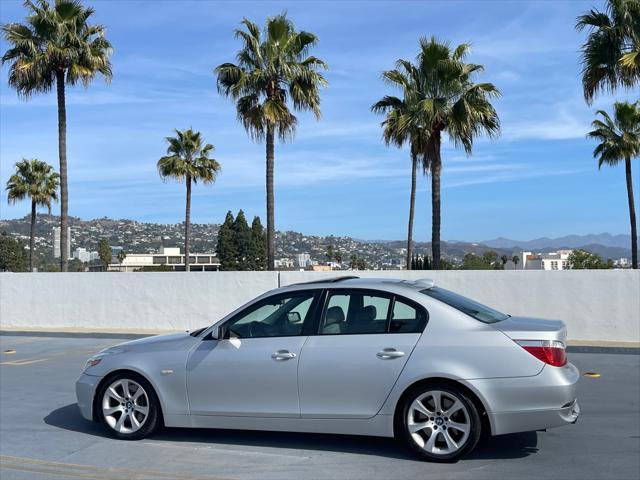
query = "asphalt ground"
x=43 y=436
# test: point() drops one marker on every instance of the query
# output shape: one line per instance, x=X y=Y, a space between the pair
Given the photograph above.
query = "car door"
x=253 y=369
x=363 y=341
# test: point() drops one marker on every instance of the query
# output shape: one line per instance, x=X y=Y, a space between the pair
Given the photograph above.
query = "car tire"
x=438 y=422
x=128 y=406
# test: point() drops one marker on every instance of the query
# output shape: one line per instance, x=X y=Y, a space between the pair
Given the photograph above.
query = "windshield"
x=466 y=305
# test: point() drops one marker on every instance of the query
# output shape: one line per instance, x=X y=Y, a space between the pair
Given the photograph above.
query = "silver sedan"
x=345 y=356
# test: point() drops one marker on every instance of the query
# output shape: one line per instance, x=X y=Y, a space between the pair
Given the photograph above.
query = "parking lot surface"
x=43 y=436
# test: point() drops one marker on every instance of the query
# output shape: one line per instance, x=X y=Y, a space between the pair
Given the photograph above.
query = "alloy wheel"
x=438 y=422
x=125 y=406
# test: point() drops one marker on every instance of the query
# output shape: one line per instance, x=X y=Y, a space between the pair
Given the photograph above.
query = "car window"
x=466 y=305
x=354 y=312
x=280 y=316
x=406 y=319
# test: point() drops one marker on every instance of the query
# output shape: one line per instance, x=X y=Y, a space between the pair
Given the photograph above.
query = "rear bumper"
x=85 y=390
x=523 y=404
x=511 y=422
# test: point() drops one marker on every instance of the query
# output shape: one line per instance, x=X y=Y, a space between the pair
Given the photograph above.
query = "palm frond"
x=55 y=39
x=273 y=70
x=618 y=136
x=608 y=60
x=188 y=156
x=438 y=96
x=33 y=179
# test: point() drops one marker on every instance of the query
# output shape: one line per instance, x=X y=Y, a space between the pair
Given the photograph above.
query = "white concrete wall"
x=597 y=305
x=125 y=301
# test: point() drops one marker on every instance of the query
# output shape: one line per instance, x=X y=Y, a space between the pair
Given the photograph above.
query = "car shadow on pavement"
x=516 y=445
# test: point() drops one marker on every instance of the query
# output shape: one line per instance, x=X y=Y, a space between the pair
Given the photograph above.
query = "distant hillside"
x=605 y=252
x=568 y=241
x=141 y=237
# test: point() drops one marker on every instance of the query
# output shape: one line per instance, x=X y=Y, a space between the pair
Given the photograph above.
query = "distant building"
x=546 y=261
x=319 y=268
x=303 y=260
x=167 y=257
x=56 y=242
x=82 y=254
x=283 y=263
x=622 y=263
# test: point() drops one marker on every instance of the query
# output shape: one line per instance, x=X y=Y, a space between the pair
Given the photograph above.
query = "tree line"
x=241 y=247
x=276 y=75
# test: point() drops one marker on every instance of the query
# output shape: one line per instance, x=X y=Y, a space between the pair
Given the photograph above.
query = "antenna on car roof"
x=422 y=282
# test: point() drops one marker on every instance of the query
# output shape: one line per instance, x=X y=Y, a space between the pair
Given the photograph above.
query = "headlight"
x=92 y=362
x=97 y=358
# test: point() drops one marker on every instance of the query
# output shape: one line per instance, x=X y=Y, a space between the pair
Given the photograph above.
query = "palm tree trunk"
x=412 y=202
x=632 y=214
x=436 y=166
x=62 y=154
x=187 y=224
x=32 y=235
x=271 y=240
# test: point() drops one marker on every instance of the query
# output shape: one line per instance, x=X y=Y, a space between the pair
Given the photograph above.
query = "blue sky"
x=336 y=177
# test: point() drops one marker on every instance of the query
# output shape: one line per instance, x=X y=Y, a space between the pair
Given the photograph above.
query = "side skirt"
x=378 y=426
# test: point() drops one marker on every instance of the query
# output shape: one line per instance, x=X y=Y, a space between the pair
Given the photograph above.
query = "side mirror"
x=217 y=333
x=294 y=317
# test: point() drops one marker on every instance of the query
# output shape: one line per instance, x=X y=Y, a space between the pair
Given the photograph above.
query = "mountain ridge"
x=567 y=241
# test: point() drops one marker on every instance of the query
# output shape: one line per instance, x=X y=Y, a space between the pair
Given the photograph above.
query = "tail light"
x=551 y=352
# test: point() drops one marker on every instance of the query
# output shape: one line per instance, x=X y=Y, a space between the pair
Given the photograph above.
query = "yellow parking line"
x=24 y=362
x=30 y=360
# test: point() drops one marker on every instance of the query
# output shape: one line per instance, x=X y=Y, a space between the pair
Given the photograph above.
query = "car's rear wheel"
x=439 y=423
x=128 y=407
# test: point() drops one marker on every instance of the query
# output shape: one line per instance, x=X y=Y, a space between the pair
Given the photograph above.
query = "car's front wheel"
x=128 y=407
x=439 y=423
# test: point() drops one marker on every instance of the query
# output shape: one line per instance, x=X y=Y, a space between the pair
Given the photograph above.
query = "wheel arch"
x=110 y=376
x=470 y=393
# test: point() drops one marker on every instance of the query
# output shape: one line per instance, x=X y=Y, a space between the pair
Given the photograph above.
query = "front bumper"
x=85 y=390
x=523 y=404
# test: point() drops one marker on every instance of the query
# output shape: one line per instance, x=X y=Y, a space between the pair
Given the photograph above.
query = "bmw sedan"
x=345 y=356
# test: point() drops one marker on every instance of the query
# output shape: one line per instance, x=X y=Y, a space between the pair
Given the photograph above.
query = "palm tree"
x=400 y=127
x=38 y=181
x=515 y=261
x=448 y=101
x=274 y=69
x=620 y=141
x=188 y=159
x=56 y=45
x=122 y=256
x=611 y=54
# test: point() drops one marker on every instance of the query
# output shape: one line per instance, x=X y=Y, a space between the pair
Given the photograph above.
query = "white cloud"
x=509 y=175
x=559 y=125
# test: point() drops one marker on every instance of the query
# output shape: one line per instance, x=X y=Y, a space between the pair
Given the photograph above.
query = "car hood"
x=153 y=342
x=527 y=328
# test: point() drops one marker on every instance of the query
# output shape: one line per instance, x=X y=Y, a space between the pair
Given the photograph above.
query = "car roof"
x=369 y=282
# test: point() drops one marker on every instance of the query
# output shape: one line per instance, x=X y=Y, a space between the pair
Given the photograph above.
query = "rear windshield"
x=466 y=305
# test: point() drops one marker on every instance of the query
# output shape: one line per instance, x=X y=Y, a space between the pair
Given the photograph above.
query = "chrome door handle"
x=283 y=355
x=389 y=353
